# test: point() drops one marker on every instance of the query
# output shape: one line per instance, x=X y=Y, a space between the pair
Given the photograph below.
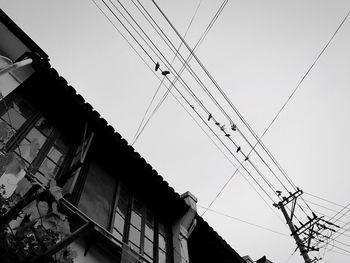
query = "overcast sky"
x=257 y=51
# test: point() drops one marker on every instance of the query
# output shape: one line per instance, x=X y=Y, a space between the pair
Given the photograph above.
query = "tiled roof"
x=97 y=117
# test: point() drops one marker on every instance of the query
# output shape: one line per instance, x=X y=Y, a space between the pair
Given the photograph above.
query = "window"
x=135 y=224
x=38 y=146
x=69 y=179
x=117 y=210
x=163 y=244
x=14 y=112
x=97 y=196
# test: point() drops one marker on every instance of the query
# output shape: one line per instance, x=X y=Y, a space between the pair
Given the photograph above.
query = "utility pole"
x=295 y=233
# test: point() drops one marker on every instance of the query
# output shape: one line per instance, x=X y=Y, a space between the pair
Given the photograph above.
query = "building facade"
x=118 y=208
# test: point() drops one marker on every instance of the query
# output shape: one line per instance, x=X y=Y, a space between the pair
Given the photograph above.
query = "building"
x=248 y=259
x=263 y=260
x=118 y=207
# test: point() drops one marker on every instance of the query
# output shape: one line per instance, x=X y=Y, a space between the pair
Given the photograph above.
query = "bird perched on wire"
x=157 y=66
x=279 y=193
x=210 y=116
x=233 y=126
x=165 y=72
x=238 y=149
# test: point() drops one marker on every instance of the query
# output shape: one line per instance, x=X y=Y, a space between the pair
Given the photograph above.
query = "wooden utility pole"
x=300 y=244
x=281 y=205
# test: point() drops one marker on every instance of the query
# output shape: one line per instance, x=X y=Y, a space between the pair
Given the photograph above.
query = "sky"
x=257 y=51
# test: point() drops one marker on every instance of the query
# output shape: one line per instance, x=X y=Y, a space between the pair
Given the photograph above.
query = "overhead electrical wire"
x=205 y=33
x=202 y=66
x=301 y=81
x=290 y=257
x=183 y=41
x=212 y=98
x=337 y=252
x=284 y=104
x=173 y=48
x=323 y=199
x=153 y=51
x=135 y=40
x=116 y=28
x=182 y=105
x=340 y=212
x=330 y=209
x=184 y=97
x=341 y=243
x=199 y=79
x=144 y=50
x=160 y=56
x=179 y=77
x=329 y=218
x=259 y=139
x=138 y=133
x=331 y=238
x=244 y=221
x=303 y=78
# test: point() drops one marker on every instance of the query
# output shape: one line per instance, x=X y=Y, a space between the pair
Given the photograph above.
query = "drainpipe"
x=183 y=228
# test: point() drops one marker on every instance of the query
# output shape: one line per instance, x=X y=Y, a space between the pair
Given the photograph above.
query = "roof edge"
x=215 y=234
x=21 y=35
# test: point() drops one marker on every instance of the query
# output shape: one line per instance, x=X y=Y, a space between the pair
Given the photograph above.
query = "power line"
x=137 y=41
x=215 y=83
x=160 y=84
x=184 y=97
x=117 y=29
x=243 y=221
x=330 y=209
x=269 y=184
x=290 y=257
x=207 y=90
x=323 y=199
x=322 y=213
x=241 y=152
x=190 y=55
x=225 y=96
x=181 y=80
x=302 y=79
x=193 y=95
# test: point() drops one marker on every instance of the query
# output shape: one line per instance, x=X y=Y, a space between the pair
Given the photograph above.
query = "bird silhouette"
x=238 y=149
x=157 y=66
x=165 y=72
x=210 y=116
x=233 y=126
x=279 y=192
x=227 y=135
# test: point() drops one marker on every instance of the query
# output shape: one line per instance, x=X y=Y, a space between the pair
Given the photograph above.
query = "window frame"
x=25 y=128
x=157 y=220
